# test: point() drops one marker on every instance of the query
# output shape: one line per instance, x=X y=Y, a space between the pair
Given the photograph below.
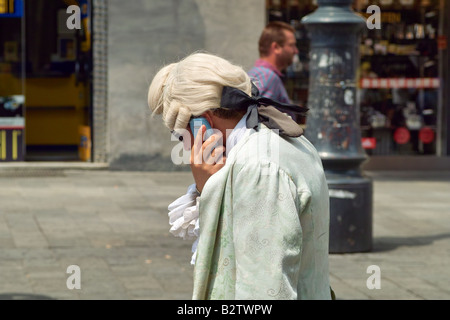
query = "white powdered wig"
x=193 y=86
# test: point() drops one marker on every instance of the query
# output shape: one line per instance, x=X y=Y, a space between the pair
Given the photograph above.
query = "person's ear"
x=275 y=47
x=208 y=115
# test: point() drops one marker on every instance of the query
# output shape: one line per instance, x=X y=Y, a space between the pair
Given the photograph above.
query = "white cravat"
x=183 y=218
x=183 y=212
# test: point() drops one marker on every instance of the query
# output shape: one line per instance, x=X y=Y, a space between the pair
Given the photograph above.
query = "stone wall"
x=145 y=35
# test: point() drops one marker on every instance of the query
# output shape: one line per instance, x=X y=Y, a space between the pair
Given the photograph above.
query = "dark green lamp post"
x=334 y=125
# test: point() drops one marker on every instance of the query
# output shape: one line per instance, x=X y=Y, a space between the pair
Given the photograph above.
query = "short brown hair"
x=228 y=114
x=273 y=32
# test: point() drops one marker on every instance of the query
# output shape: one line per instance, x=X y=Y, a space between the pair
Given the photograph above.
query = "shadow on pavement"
x=391 y=243
x=23 y=296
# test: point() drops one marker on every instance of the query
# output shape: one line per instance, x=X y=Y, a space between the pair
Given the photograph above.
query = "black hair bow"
x=272 y=113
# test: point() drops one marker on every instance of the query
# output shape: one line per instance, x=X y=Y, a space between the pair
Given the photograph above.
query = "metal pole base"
x=350 y=213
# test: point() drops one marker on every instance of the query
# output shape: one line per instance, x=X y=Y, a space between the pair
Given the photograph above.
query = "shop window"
x=12 y=121
x=45 y=74
x=399 y=80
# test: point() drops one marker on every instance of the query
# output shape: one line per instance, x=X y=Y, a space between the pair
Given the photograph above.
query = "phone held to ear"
x=196 y=124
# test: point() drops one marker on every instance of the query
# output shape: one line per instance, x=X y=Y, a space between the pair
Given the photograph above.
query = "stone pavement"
x=114 y=226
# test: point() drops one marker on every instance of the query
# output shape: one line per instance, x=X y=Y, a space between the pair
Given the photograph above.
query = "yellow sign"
x=10 y=145
x=387 y=17
x=3 y=145
x=3 y=6
x=6 y=6
x=15 y=138
x=84 y=148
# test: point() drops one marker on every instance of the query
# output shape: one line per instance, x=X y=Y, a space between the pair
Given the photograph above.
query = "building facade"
x=73 y=84
x=77 y=90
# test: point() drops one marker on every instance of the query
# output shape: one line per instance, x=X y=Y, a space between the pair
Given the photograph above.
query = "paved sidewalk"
x=114 y=226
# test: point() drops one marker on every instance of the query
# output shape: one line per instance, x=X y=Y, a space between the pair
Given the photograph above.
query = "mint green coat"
x=264 y=223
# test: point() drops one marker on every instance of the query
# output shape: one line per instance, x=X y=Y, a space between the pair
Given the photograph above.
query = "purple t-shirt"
x=268 y=80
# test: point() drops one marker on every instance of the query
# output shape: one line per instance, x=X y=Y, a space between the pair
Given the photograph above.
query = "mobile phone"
x=196 y=124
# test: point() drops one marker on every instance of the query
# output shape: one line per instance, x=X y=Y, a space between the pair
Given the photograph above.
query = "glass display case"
x=12 y=75
x=399 y=82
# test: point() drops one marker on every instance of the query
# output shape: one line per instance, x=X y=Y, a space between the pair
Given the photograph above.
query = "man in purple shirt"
x=277 y=48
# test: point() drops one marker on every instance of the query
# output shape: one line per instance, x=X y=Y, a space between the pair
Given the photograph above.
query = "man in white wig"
x=259 y=209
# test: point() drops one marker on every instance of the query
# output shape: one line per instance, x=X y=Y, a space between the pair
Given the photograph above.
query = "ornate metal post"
x=334 y=123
